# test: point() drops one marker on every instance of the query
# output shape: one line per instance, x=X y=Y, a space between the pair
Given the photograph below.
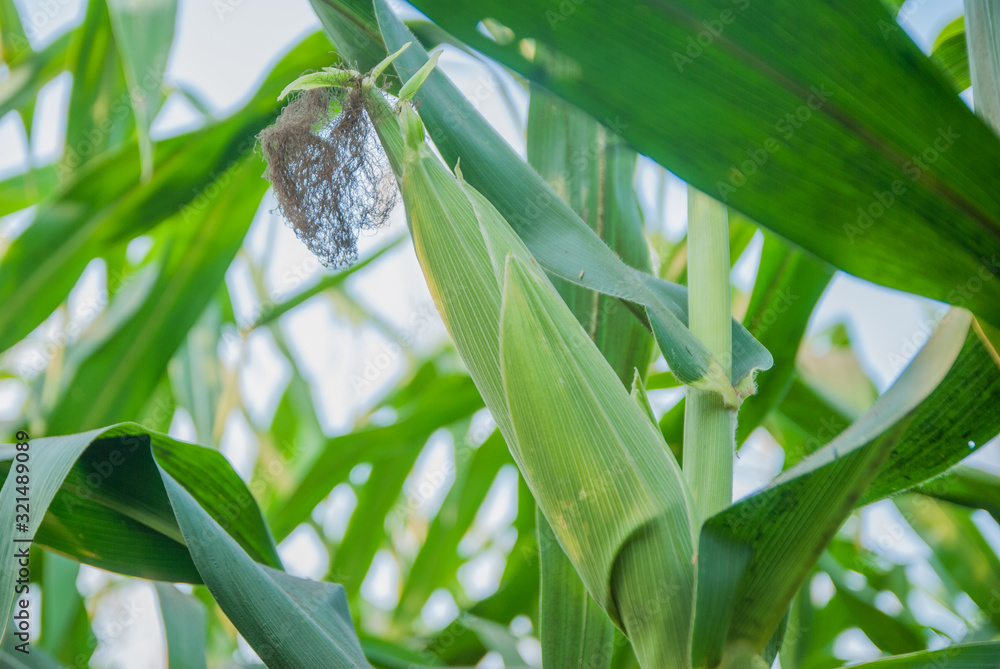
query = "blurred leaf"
x=113 y=382
x=184 y=623
x=14 y=45
x=968 y=487
x=366 y=530
x=891 y=634
x=745 y=100
x=961 y=553
x=25 y=189
x=804 y=421
x=61 y=601
x=789 y=283
x=961 y=656
x=496 y=638
x=951 y=53
x=272 y=312
x=144 y=31
x=438 y=559
x=195 y=370
x=100 y=115
x=104 y=203
x=450 y=399
x=34 y=70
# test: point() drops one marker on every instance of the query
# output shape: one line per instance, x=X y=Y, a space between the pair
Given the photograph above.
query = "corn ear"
x=596 y=465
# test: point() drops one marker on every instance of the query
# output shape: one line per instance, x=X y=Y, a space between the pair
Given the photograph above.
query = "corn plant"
x=629 y=546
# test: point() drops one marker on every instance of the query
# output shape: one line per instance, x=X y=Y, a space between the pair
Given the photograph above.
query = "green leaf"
x=951 y=53
x=564 y=245
x=789 y=283
x=100 y=107
x=103 y=203
x=366 y=529
x=963 y=656
x=803 y=144
x=891 y=634
x=143 y=33
x=34 y=70
x=193 y=496
x=753 y=556
x=196 y=371
x=968 y=487
x=96 y=514
x=448 y=400
x=592 y=171
x=184 y=623
x=574 y=631
x=598 y=469
x=962 y=555
x=61 y=600
x=14 y=45
x=438 y=560
x=292 y=622
x=26 y=189
x=984 y=62
x=116 y=377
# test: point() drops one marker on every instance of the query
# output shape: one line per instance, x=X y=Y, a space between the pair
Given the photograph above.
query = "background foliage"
x=160 y=223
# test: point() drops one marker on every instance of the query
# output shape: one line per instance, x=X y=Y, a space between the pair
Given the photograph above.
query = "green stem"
x=709 y=426
x=982 y=32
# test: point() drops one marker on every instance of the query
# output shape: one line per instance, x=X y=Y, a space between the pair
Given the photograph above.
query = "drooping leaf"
x=802 y=144
x=753 y=556
x=189 y=495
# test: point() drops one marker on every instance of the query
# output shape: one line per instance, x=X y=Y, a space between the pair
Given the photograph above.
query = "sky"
x=221 y=51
